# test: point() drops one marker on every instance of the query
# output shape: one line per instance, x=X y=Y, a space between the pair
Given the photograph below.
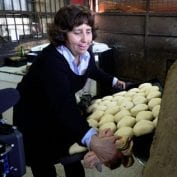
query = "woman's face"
x=79 y=39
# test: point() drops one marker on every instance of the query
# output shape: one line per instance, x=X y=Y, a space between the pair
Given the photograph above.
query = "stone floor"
x=133 y=171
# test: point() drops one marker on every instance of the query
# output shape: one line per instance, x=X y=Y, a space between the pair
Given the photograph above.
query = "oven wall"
x=145 y=44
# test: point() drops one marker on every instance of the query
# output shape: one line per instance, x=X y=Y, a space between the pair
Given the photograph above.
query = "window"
x=20 y=19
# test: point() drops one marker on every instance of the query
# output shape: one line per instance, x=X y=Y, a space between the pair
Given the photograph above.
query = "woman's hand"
x=104 y=148
x=106 y=133
x=91 y=160
x=102 y=152
x=120 y=84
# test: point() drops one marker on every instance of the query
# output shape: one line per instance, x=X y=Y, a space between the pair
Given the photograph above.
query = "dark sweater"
x=47 y=113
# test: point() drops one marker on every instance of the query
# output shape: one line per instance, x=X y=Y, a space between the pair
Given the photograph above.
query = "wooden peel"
x=122 y=143
x=125 y=145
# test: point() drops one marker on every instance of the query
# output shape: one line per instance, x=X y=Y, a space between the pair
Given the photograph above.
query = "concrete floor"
x=133 y=171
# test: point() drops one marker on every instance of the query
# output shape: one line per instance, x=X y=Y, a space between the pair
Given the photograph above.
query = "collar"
x=69 y=56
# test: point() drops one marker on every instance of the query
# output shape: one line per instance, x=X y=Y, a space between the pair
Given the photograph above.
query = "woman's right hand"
x=104 y=148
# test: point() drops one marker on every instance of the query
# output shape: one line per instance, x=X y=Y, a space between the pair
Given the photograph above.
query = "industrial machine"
x=12 y=158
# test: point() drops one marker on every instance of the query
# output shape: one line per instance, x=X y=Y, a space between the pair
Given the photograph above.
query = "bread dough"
x=127 y=121
x=92 y=108
x=122 y=93
x=105 y=102
x=155 y=121
x=145 y=85
x=139 y=99
x=144 y=115
x=112 y=110
x=137 y=108
x=106 y=118
x=121 y=114
x=96 y=115
x=109 y=97
x=152 y=89
x=124 y=132
x=130 y=94
x=140 y=94
x=101 y=107
x=92 y=123
x=76 y=148
x=153 y=102
x=111 y=104
x=97 y=101
x=110 y=125
x=119 y=99
x=156 y=110
x=136 y=90
x=126 y=105
x=154 y=94
x=143 y=127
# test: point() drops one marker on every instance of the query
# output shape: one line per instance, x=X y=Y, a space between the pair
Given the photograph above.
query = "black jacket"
x=47 y=113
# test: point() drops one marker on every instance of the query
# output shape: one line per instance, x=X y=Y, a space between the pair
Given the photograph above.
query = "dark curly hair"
x=66 y=19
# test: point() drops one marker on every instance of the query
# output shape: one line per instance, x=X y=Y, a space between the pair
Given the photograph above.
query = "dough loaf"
x=76 y=148
x=96 y=115
x=153 y=102
x=127 y=121
x=124 y=132
x=110 y=125
x=143 y=127
x=144 y=115
x=112 y=110
x=156 y=110
x=137 y=108
x=121 y=114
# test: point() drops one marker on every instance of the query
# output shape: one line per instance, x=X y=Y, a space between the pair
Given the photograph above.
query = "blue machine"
x=12 y=158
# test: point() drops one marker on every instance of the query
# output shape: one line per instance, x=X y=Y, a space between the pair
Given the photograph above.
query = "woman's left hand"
x=120 y=84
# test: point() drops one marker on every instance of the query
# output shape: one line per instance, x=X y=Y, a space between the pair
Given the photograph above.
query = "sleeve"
x=98 y=74
x=87 y=138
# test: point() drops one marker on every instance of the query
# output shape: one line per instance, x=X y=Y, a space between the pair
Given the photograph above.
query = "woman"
x=47 y=113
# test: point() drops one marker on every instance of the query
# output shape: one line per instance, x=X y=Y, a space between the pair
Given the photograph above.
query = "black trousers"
x=45 y=169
